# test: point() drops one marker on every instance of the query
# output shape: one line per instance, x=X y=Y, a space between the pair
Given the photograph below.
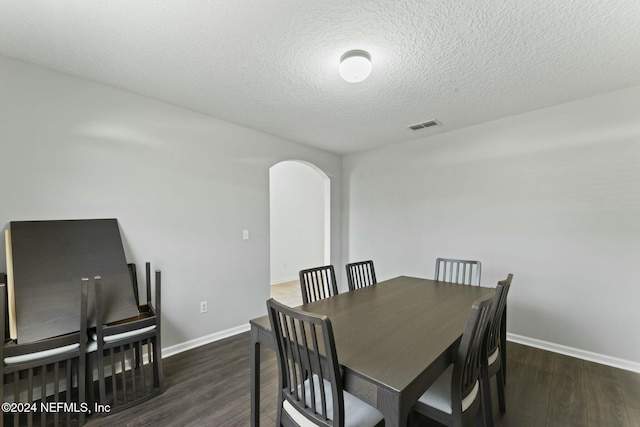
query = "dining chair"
x=460 y=271
x=455 y=398
x=130 y=349
x=309 y=378
x=318 y=283
x=360 y=274
x=491 y=360
x=45 y=372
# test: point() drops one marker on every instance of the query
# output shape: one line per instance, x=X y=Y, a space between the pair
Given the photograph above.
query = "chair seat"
x=93 y=344
x=40 y=354
x=356 y=412
x=438 y=396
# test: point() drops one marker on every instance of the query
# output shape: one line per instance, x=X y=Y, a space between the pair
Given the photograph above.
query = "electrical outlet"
x=245 y=234
x=203 y=307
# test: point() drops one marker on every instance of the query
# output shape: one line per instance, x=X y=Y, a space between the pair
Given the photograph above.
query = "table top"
x=391 y=332
x=49 y=260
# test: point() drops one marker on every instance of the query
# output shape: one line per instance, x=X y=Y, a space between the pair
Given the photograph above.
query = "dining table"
x=393 y=339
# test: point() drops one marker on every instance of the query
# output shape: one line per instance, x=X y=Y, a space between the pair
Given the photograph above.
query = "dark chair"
x=131 y=349
x=458 y=271
x=45 y=372
x=318 y=283
x=309 y=374
x=361 y=274
x=491 y=361
x=455 y=398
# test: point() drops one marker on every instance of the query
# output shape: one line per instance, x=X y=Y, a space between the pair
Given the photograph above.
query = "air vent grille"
x=423 y=125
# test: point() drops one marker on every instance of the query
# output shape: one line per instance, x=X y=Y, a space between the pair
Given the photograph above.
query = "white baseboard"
x=280 y=281
x=603 y=359
x=179 y=348
x=531 y=342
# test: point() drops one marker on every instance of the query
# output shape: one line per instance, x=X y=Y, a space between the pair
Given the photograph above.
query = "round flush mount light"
x=355 y=66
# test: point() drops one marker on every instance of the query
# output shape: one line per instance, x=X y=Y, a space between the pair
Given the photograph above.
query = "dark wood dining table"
x=393 y=340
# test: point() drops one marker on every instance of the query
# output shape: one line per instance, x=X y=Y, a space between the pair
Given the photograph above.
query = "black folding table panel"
x=49 y=260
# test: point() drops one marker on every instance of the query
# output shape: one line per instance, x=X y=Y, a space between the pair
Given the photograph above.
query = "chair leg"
x=501 y=382
x=82 y=382
x=102 y=392
x=158 y=375
x=480 y=421
x=481 y=416
x=486 y=396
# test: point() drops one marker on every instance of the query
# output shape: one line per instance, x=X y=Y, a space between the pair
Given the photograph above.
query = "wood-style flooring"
x=288 y=293
x=210 y=386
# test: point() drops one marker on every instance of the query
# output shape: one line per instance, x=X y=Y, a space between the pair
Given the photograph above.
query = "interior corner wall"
x=297 y=219
x=552 y=196
x=182 y=185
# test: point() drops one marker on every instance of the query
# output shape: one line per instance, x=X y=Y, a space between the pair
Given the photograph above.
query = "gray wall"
x=182 y=185
x=552 y=196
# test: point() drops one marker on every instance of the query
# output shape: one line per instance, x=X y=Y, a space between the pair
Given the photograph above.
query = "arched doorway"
x=299 y=206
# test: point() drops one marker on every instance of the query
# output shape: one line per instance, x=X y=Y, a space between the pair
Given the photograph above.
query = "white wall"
x=182 y=185
x=552 y=196
x=297 y=214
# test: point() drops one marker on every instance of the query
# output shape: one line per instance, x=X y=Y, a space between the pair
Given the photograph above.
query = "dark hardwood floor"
x=209 y=386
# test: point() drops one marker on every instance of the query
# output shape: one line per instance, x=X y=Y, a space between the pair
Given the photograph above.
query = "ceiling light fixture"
x=355 y=66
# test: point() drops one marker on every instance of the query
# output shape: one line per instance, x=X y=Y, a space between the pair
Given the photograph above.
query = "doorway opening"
x=300 y=232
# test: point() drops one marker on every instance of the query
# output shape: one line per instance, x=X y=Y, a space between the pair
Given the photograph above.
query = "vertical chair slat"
x=140 y=348
x=360 y=274
x=30 y=384
x=123 y=376
x=43 y=391
x=133 y=370
x=320 y=375
x=30 y=394
x=317 y=283
x=67 y=381
x=300 y=346
x=293 y=339
x=114 y=388
x=308 y=357
x=460 y=271
x=16 y=387
x=325 y=284
x=56 y=389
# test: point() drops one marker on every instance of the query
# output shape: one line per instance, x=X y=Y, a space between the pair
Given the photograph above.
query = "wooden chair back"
x=318 y=283
x=135 y=359
x=461 y=271
x=361 y=274
x=492 y=339
x=55 y=378
x=307 y=365
x=466 y=368
x=493 y=361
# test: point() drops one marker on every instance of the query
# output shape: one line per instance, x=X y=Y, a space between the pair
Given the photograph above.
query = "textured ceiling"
x=272 y=65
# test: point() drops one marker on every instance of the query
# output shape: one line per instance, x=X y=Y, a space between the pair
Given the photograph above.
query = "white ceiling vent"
x=423 y=125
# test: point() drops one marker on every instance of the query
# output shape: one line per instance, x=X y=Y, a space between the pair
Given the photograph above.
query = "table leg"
x=392 y=408
x=503 y=344
x=255 y=378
